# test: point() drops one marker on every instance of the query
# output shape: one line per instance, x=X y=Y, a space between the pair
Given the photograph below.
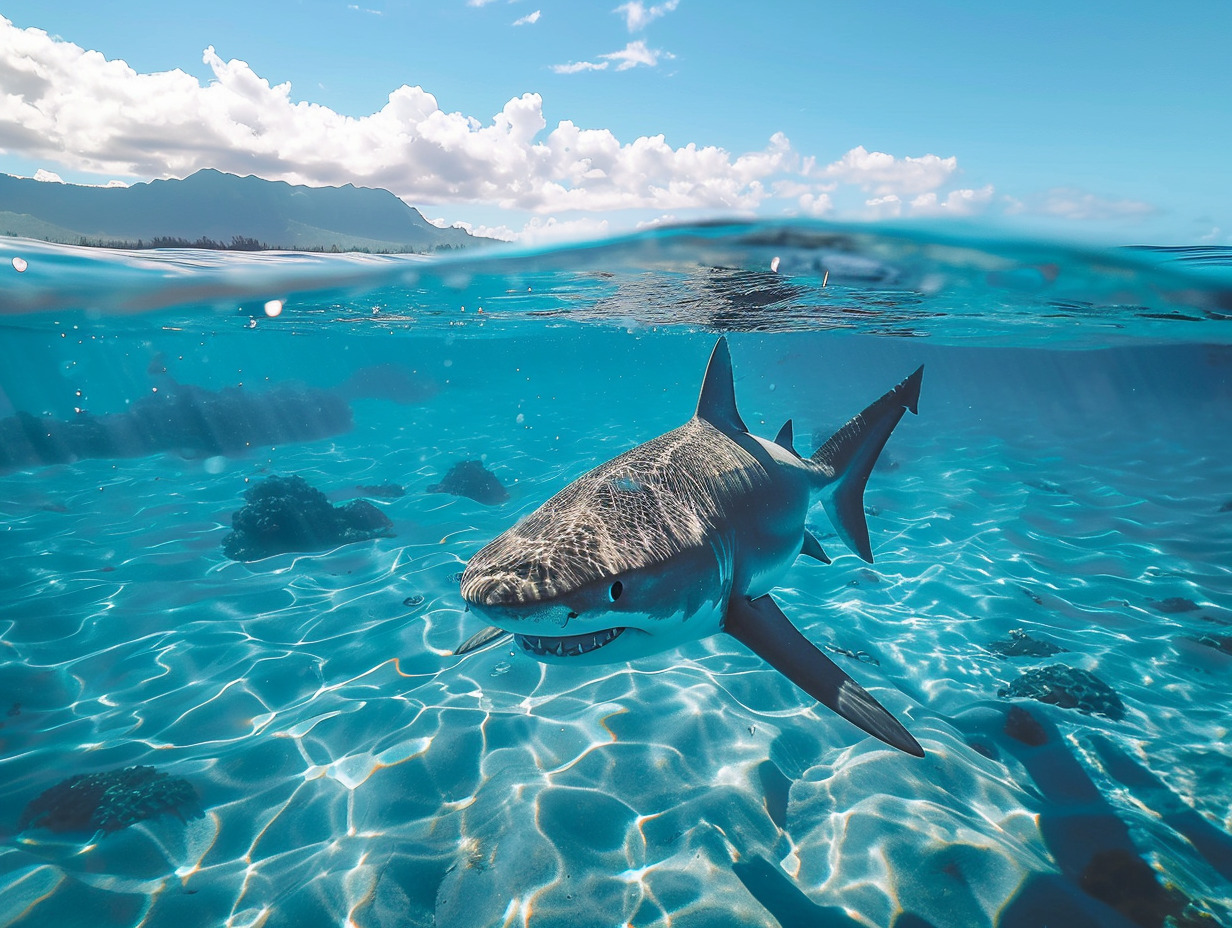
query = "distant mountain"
x=221 y=207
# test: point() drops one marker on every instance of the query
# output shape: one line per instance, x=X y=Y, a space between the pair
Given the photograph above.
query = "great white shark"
x=684 y=537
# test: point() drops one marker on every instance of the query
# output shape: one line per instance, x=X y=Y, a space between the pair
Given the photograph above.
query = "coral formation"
x=1020 y=644
x=1068 y=688
x=286 y=514
x=111 y=800
x=474 y=481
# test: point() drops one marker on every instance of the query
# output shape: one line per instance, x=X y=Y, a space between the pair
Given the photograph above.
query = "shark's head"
x=615 y=566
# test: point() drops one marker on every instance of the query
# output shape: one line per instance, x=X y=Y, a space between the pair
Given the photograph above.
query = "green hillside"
x=220 y=208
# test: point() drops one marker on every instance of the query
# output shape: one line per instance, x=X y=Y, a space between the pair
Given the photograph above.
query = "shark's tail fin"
x=844 y=462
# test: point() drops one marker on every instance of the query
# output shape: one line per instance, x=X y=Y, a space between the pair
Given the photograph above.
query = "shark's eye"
x=617 y=588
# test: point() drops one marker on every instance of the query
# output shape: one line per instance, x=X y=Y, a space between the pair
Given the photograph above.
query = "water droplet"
x=273 y=308
x=774 y=265
x=19 y=264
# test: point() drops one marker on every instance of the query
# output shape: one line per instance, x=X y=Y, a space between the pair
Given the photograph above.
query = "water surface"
x=1069 y=475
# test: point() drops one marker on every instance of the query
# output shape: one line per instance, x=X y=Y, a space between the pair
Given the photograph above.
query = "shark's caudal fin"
x=845 y=461
x=760 y=625
x=717 y=404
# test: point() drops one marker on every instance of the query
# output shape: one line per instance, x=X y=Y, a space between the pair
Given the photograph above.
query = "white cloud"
x=886 y=207
x=501 y=232
x=636 y=53
x=575 y=66
x=666 y=219
x=815 y=204
x=50 y=177
x=86 y=113
x=543 y=231
x=638 y=15
x=1070 y=203
x=82 y=112
x=630 y=56
x=964 y=202
x=883 y=174
x=529 y=19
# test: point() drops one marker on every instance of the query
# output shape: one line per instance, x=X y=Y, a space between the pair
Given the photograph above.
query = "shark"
x=686 y=536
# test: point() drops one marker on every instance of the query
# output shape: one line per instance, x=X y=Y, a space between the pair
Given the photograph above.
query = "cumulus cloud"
x=87 y=113
x=883 y=174
x=815 y=204
x=529 y=19
x=964 y=202
x=539 y=231
x=886 y=207
x=638 y=16
x=80 y=111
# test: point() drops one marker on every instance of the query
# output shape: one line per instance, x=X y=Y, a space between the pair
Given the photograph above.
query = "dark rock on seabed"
x=1068 y=688
x=474 y=481
x=286 y=514
x=1174 y=604
x=111 y=800
x=1020 y=644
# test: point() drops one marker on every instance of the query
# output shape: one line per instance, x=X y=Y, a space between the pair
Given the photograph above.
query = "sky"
x=1107 y=122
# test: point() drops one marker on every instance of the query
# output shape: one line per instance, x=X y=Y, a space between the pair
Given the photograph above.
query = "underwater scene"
x=277 y=650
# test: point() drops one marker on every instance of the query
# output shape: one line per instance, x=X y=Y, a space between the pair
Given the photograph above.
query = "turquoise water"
x=1069 y=475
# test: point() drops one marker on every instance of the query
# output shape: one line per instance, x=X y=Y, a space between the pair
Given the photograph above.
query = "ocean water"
x=1069 y=476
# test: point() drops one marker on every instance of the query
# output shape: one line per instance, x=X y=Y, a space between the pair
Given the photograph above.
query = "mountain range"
x=225 y=210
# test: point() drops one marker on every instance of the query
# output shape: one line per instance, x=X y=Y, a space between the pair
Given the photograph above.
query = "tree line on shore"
x=238 y=243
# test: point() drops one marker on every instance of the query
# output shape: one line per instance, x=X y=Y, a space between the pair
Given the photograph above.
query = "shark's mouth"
x=567 y=645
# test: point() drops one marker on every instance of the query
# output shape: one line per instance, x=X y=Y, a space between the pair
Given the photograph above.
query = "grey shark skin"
x=684 y=537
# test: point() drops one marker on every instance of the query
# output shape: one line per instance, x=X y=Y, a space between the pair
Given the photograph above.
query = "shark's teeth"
x=568 y=645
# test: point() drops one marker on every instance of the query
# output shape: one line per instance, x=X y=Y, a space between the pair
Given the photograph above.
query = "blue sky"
x=1092 y=120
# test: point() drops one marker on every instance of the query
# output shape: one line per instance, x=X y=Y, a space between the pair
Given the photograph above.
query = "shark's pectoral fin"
x=480 y=639
x=760 y=625
x=812 y=548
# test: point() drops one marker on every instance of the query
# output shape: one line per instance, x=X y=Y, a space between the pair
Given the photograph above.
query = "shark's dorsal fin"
x=784 y=438
x=717 y=404
x=812 y=548
x=760 y=625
